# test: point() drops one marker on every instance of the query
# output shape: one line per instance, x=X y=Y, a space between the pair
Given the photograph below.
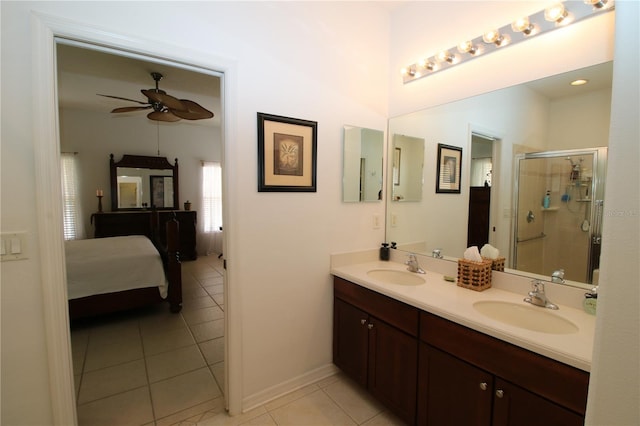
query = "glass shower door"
x=563 y=233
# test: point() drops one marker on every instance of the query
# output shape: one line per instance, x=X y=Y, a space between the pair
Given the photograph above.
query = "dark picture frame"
x=287 y=154
x=449 y=169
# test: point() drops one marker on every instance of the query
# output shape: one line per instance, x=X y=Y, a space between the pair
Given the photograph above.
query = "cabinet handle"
x=363 y=321
x=370 y=326
x=483 y=386
x=499 y=393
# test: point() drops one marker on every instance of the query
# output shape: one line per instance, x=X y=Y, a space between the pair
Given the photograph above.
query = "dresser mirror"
x=363 y=151
x=143 y=182
x=544 y=116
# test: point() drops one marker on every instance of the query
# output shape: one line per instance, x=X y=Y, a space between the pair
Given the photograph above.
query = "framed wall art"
x=448 y=169
x=287 y=154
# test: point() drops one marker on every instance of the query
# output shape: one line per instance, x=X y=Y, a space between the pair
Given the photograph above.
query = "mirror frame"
x=142 y=162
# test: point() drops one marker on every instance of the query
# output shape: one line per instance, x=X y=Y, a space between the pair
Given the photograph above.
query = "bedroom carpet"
x=151 y=367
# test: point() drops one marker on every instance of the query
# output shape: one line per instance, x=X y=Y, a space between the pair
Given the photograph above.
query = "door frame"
x=45 y=29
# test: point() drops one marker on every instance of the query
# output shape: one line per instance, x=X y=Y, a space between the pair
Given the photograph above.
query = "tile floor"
x=151 y=367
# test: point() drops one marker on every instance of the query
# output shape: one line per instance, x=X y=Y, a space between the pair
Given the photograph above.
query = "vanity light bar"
x=544 y=21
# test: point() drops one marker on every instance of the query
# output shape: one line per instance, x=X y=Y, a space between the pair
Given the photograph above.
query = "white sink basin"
x=528 y=317
x=396 y=277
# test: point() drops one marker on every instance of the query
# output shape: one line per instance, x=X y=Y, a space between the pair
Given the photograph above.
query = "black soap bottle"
x=384 y=251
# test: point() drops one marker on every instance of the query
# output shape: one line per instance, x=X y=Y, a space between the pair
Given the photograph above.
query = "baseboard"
x=269 y=394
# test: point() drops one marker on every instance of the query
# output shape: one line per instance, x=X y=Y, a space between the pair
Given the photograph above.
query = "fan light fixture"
x=519 y=30
x=165 y=107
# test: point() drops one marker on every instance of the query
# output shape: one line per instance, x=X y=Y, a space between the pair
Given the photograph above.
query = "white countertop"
x=454 y=303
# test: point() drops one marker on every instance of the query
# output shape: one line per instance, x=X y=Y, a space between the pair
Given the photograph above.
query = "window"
x=71 y=214
x=212 y=196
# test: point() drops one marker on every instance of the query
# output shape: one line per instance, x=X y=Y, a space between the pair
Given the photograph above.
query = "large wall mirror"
x=362 y=164
x=567 y=127
x=143 y=182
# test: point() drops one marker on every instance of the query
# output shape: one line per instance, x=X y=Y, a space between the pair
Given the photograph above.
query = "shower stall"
x=563 y=232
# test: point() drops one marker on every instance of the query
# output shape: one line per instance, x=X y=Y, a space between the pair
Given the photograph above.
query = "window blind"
x=212 y=196
x=70 y=198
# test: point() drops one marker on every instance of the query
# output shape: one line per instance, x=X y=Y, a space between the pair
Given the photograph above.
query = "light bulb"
x=522 y=25
x=467 y=47
x=597 y=4
x=428 y=65
x=445 y=56
x=555 y=13
x=494 y=37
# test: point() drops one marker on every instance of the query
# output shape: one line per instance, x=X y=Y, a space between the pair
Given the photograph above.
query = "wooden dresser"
x=121 y=223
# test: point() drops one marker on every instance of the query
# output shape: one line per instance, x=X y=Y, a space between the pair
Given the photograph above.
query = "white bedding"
x=108 y=265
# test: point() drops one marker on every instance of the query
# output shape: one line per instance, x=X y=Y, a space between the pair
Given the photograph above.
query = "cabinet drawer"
x=391 y=311
x=550 y=379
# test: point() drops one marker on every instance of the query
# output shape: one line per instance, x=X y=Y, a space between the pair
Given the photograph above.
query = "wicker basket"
x=474 y=275
x=497 y=264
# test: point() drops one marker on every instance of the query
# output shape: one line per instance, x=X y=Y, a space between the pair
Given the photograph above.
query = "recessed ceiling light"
x=579 y=82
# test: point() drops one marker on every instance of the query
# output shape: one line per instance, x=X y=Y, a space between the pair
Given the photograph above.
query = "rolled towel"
x=489 y=252
x=472 y=254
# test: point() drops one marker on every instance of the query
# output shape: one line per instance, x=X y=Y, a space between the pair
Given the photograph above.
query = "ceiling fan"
x=165 y=107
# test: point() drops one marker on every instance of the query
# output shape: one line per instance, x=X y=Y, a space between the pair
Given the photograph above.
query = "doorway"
x=158 y=145
x=480 y=186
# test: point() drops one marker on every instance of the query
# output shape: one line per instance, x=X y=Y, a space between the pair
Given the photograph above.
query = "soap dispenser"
x=384 y=251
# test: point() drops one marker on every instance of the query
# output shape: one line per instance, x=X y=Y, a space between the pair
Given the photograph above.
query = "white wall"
x=96 y=135
x=313 y=61
x=614 y=389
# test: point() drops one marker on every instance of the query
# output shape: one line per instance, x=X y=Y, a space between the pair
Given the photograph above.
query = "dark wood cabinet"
x=452 y=392
x=432 y=371
x=466 y=377
x=120 y=223
x=380 y=355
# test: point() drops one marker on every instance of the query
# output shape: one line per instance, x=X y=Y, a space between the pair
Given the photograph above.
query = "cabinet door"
x=516 y=406
x=393 y=368
x=452 y=392
x=350 y=340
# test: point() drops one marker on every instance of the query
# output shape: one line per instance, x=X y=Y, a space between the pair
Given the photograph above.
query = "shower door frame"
x=599 y=168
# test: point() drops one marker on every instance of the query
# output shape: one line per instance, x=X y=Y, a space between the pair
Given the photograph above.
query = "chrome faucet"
x=413 y=265
x=538 y=297
x=437 y=253
x=558 y=276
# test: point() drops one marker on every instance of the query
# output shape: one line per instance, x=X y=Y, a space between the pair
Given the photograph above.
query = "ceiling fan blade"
x=167 y=100
x=194 y=111
x=162 y=116
x=124 y=99
x=129 y=109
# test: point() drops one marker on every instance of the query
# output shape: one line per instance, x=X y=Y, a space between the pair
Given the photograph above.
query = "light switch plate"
x=14 y=246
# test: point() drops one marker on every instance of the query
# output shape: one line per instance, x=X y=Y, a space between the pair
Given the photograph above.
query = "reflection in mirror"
x=139 y=182
x=540 y=116
x=362 y=168
x=560 y=229
x=407 y=164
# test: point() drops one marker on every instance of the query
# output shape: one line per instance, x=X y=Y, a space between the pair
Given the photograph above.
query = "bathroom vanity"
x=433 y=368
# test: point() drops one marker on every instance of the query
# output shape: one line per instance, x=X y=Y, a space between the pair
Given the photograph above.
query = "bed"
x=116 y=273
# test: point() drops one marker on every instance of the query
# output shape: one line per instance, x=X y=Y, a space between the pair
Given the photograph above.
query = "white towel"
x=489 y=251
x=472 y=254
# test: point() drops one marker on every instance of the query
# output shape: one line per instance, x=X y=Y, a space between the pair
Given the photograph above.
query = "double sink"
x=520 y=314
